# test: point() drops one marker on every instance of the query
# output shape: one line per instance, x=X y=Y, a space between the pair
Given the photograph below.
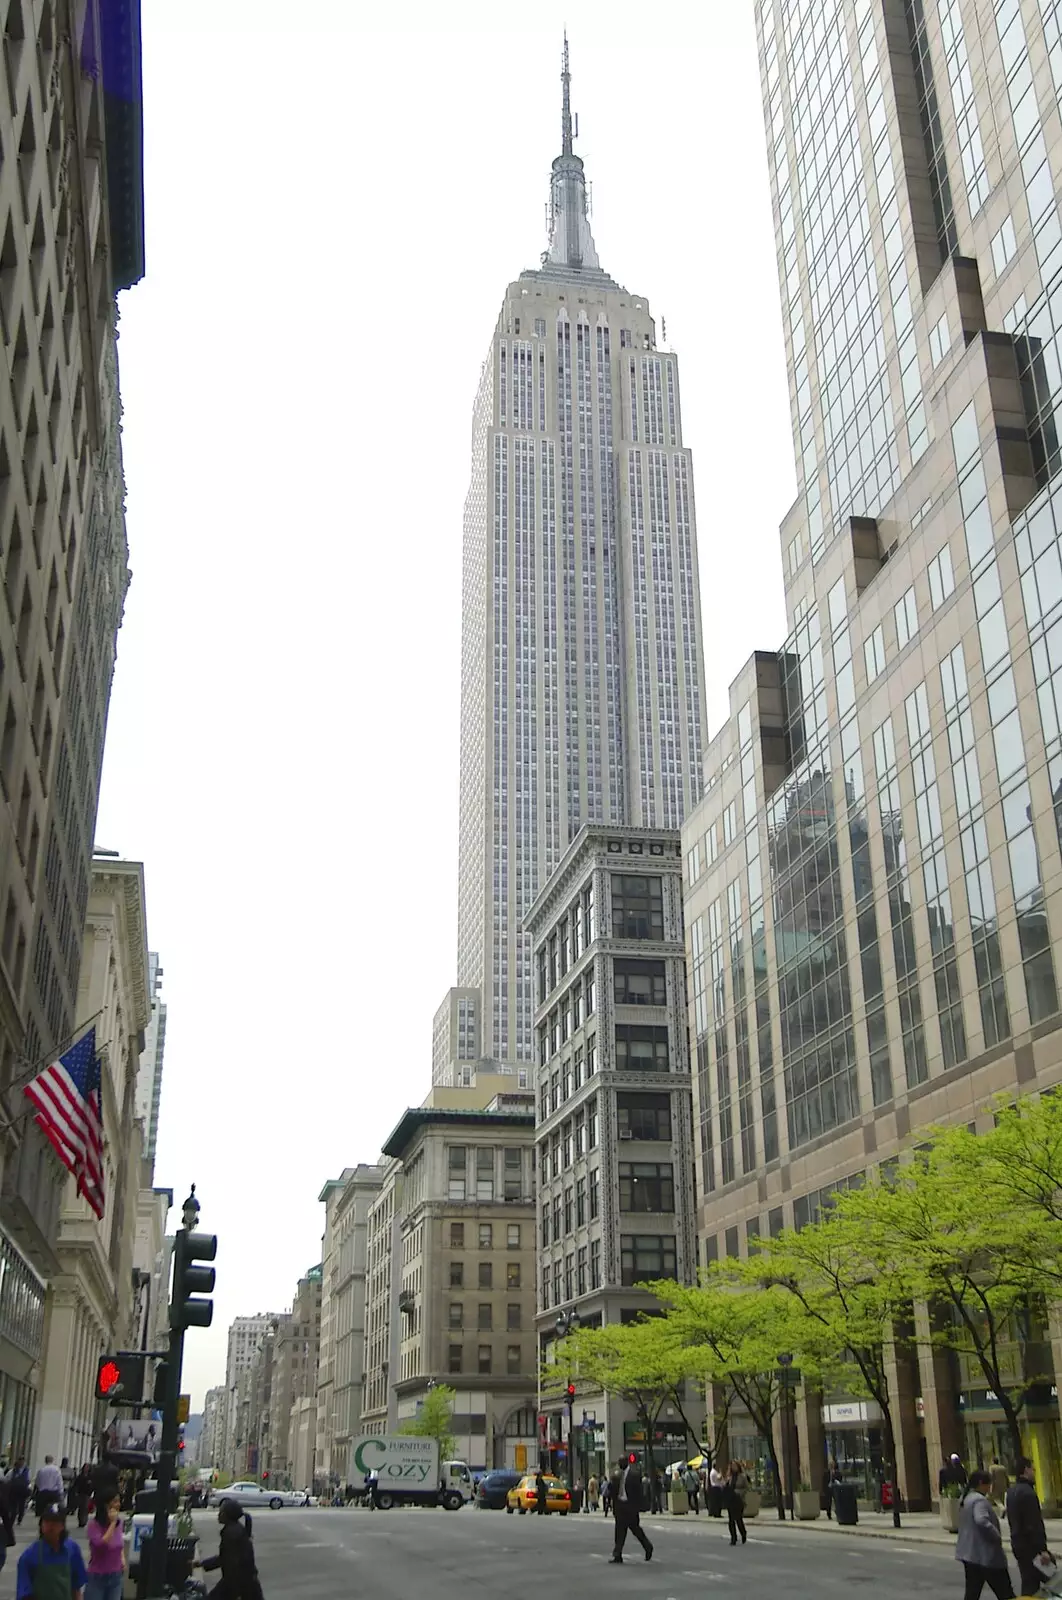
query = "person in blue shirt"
x=53 y=1567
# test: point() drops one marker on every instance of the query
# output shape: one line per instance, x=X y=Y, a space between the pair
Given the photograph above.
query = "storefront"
x=21 y=1334
x=987 y=1436
x=854 y=1440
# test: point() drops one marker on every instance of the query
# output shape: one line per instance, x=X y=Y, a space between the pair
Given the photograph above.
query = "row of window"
x=485 y=1275
x=471 y=1173
x=485 y=1235
x=485 y=1316
x=485 y=1360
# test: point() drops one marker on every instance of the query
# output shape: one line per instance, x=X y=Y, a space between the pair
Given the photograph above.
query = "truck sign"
x=398 y=1461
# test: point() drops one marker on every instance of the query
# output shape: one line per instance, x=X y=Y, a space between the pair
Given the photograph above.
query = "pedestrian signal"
x=120 y=1378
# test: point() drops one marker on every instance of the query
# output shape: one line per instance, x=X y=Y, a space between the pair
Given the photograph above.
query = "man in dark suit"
x=627 y=1507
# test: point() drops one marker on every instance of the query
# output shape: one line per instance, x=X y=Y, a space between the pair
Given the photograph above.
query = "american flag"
x=67 y=1097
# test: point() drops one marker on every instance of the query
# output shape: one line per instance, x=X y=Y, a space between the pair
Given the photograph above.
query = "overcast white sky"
x=334 y=210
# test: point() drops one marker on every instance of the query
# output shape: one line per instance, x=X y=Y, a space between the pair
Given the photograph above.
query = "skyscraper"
x=582 y=694
x=873 y=912
x=149 y=1077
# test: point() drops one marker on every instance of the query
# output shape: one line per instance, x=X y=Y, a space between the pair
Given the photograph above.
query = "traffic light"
x=180 y=1440
x=121 y=1377
x=265 y=1476
x=160 y=1390
x=571 y=1393
x=191 y=1281
x=632 y=1458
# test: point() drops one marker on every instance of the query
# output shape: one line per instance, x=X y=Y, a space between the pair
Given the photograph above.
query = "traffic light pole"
x=166 y=1470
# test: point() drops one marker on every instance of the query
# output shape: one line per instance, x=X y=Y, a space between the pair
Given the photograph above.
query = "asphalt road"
x=323 y=1554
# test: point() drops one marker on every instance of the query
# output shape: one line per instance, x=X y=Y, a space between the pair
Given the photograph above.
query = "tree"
x=851 y=1302
x=932 y=1229
x=434 y=1419
x=642 y=1362
x=735 y=1336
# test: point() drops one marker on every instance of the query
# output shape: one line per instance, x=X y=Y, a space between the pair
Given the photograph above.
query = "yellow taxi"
x=524 y=1497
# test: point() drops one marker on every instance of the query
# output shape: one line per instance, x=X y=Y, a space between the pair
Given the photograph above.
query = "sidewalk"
x=918 y=1527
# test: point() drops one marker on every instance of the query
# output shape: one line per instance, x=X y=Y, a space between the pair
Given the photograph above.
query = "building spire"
x=571 y=243
x=566 y=103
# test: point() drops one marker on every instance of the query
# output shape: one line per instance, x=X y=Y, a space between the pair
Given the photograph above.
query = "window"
x=486 y=1275
x=643 y=1116
x=454 y=1362
x=512 y=1236
x=512 y=1360
x=646 y=1186
x=513 y=1180
x=1004 y=246
x=486 y=1236
x=457 y=1236
x=457 y=1319
x=595 y=1193
x=591 y=1055
x=906 y=614
x=939 y=340
x=483 y=1319
x=874 y=653
x=640 y=983
x=591 y=1125
x=540 y=327
x=637 y=907
x=580 y=1270
x=941 y=577
x=512 y=1275
x=588 y=990
x=512 y=1316
x=455 y=1156
x=641 y=1049
x=545 y=1223
x=645 y=1256
x=485 y=1173
x=595 y=1263
x=484 y=1363
x=457 y=1274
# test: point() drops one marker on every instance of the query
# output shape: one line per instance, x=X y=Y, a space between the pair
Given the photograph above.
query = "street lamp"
x=785 y=1361
x=567 y=1323
x=190 y=1212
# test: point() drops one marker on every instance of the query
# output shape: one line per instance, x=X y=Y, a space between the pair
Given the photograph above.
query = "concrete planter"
x=806 y=1505
x=679 y=1505
x=949 y=1513
x=753 y=1501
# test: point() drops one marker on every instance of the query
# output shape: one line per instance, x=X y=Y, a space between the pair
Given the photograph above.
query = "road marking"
x=318 y=1544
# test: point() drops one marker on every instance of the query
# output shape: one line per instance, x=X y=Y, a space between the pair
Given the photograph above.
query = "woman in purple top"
x=106 y=1565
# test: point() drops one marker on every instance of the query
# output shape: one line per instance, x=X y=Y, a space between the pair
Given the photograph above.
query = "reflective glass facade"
x=874 y=874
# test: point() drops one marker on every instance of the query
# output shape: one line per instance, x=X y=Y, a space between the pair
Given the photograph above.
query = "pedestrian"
x=81 y=1490
x=952 y=1471
x=235 y=1557
x=48 y=1486
x=606 y=1497
x=7 y=1521
x=693 y=1490
x=578 y=1495
x=372 y=1479
x=830 y=1478
x=540 y=1493
x=52 y=1567
x=593 y=1494
x=627 y=1503
x=737 y=1485
x=1000 y=1480
x=19 y=1488
x=1025 y=1519
x=980 y=1543
x=716 y=1486
x=106 y=1537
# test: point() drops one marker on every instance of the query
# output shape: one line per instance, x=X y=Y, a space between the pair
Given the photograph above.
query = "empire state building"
x=582 y=678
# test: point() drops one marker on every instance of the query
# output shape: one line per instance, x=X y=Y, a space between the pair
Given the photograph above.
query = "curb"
x=860 y=1531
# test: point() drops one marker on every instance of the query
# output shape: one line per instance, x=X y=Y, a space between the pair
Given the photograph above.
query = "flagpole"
x=45 y=1061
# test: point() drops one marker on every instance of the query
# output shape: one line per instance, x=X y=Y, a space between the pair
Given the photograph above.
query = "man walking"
x=48 y=1487
x=19 y=1484
x=627 y=1508
x=540 y=1493
x=1025 y=1519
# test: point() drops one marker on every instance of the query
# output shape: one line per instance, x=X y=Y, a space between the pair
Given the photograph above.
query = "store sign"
x=851 y=1412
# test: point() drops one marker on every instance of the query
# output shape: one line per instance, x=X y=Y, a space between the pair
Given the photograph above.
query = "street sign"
x=184 y=1406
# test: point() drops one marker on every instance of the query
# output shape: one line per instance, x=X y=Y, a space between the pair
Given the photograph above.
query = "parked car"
x=524 y=1497
x=249 y=1493
x=493 y=1491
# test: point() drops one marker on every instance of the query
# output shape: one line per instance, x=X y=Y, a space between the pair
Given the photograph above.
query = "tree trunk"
x=890 y=1459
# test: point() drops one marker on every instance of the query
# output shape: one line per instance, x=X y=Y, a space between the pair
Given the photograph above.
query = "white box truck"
x=408 y=1472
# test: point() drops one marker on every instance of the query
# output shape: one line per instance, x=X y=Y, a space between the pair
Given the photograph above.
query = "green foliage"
x=434 y=1419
